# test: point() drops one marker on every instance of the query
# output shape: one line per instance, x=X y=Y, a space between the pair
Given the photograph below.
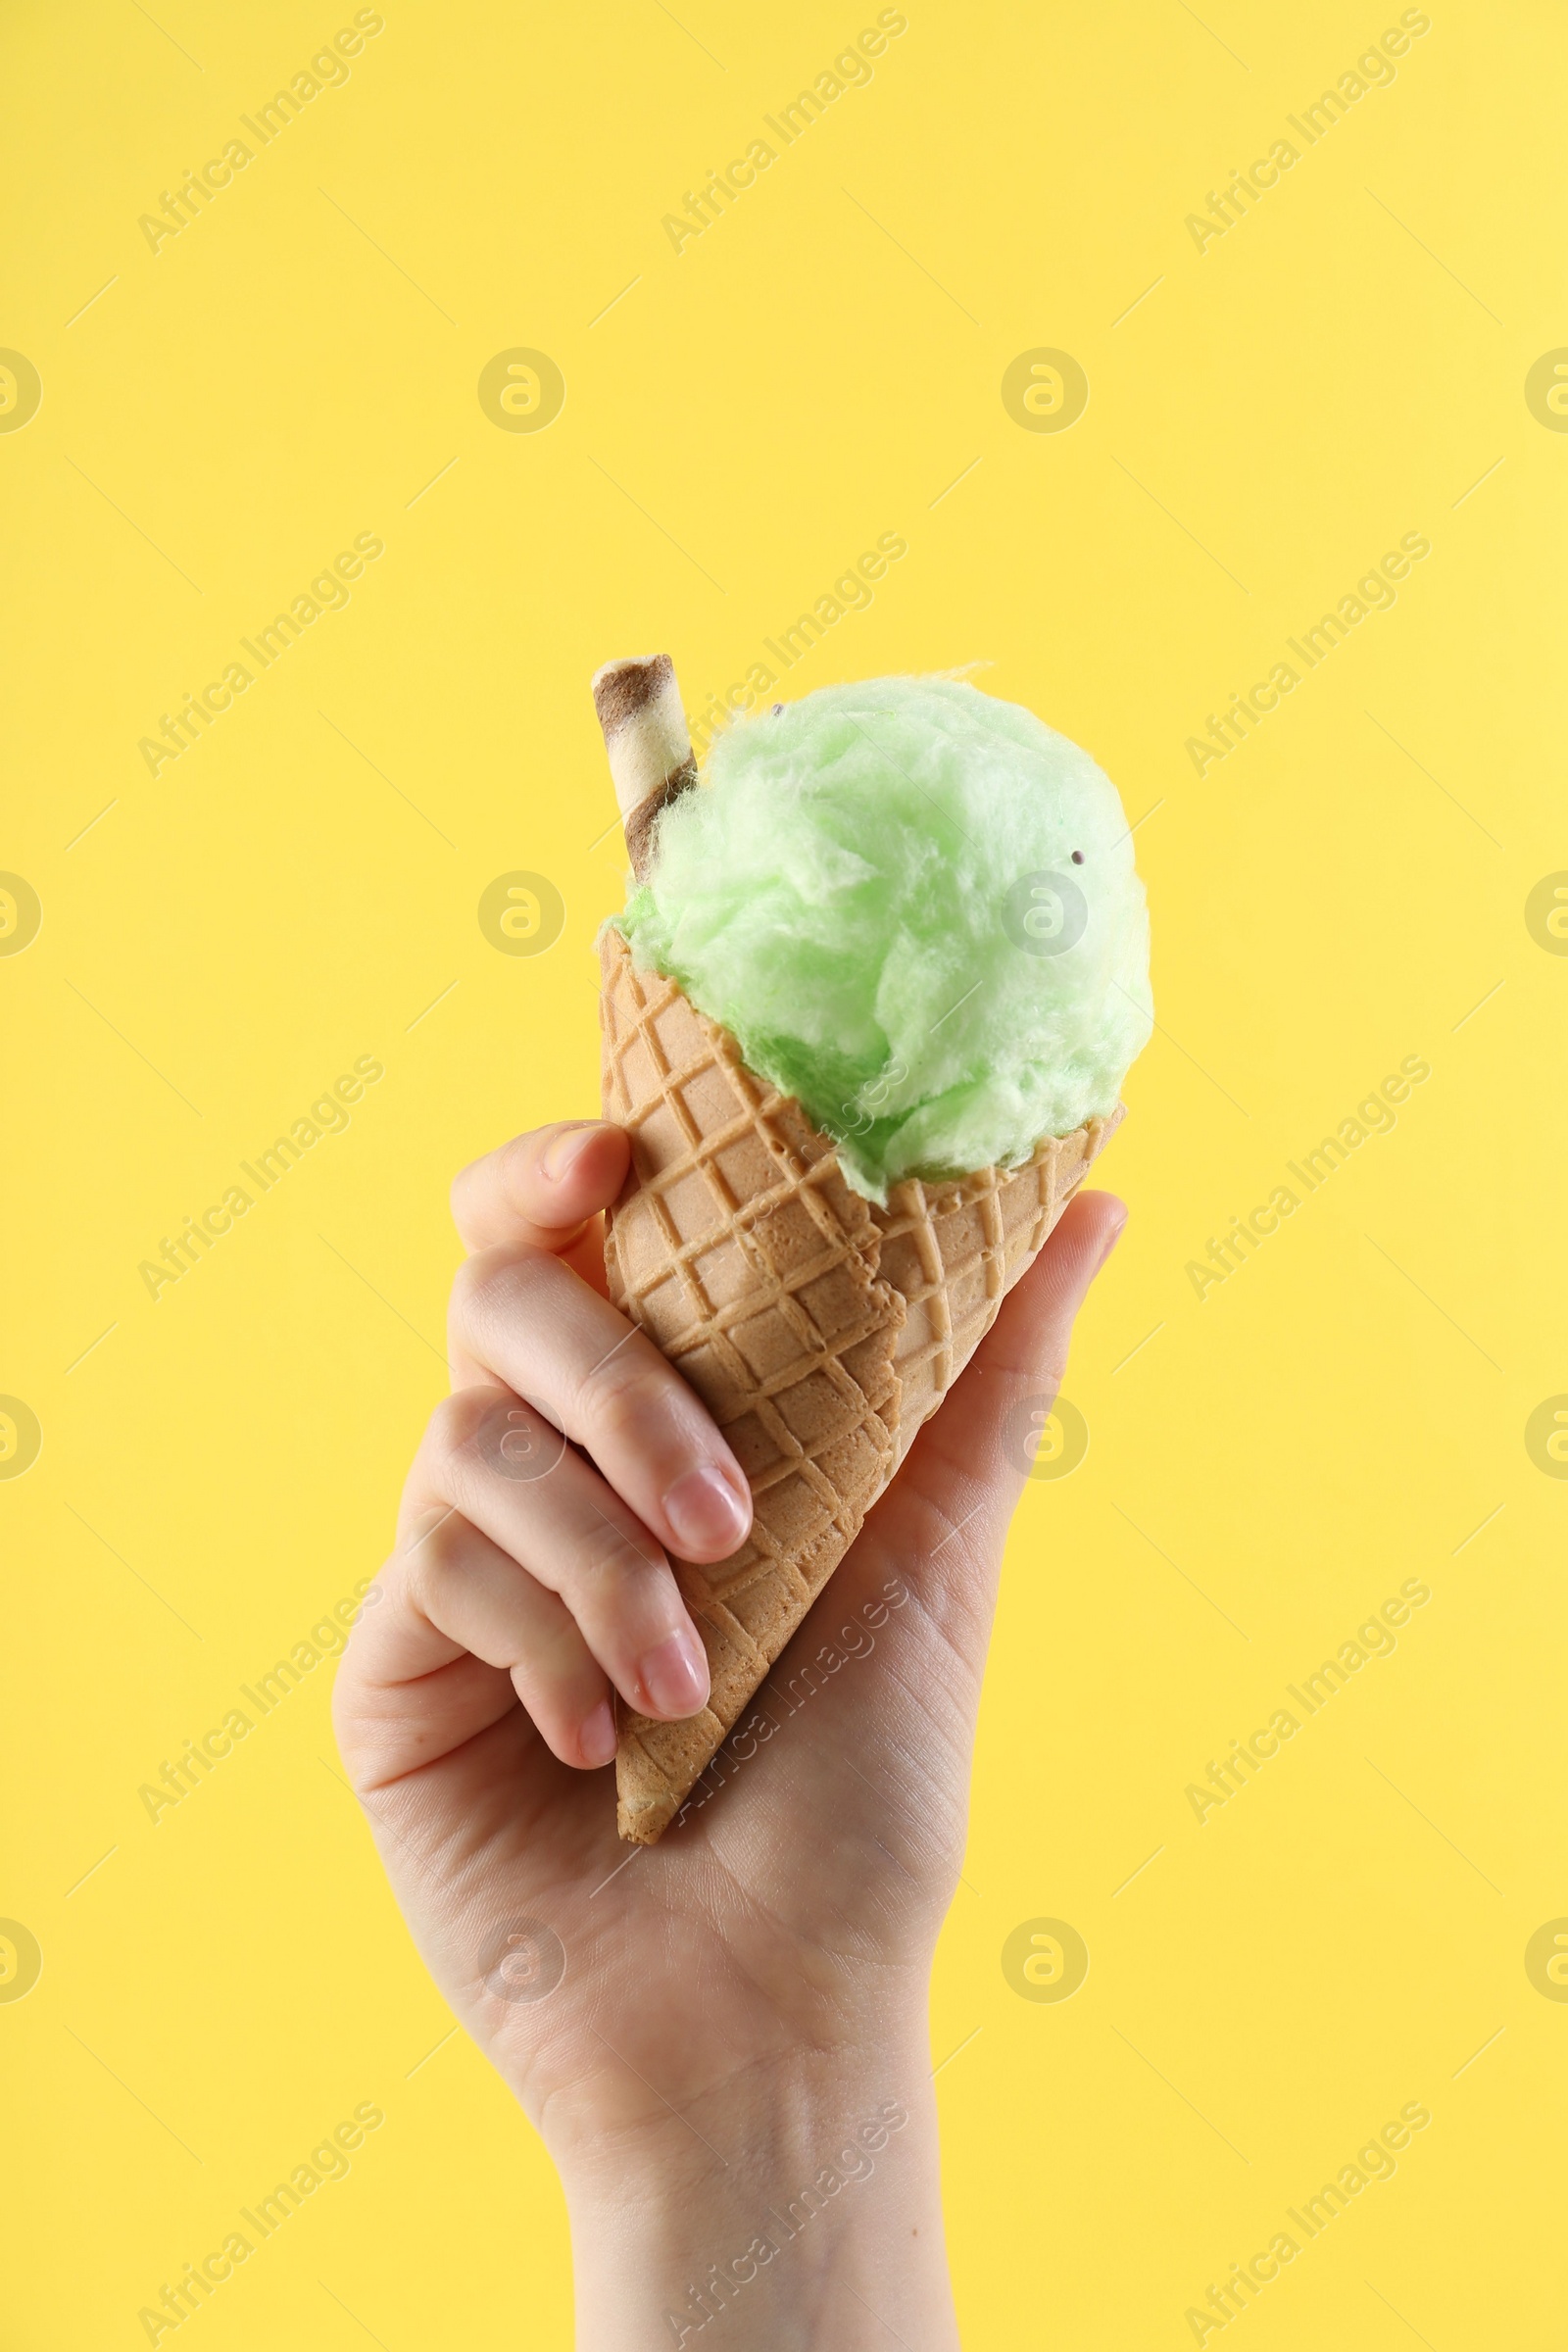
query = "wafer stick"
x=651 y=758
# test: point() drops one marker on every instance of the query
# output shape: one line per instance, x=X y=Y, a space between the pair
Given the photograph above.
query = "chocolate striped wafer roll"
x=651 y=760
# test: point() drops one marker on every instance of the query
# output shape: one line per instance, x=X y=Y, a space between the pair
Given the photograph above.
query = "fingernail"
x=561 y=1155
x=1113 y=1237
x=674 y=1675
x=705 y=1512
x=596 y=1739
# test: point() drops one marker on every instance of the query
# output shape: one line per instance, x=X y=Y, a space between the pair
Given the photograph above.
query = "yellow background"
x=218 y=1467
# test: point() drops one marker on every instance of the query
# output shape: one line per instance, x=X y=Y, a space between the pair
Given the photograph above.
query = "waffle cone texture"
x=819 y=1330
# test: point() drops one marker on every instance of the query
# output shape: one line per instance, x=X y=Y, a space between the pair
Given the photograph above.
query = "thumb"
x=970 y=1463
x=1021 y=1361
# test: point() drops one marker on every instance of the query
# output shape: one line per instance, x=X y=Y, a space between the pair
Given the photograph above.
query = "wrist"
x=795 y=2203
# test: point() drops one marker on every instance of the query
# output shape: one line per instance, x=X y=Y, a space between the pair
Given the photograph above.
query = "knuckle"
x=383 y=1585
x=442 y=1546
x=434 y=1565
x=494 y=1282
x=624 y=1395
x=493 y=1172
x=456 y=1422
x=459 y=1194
x=611 y=1554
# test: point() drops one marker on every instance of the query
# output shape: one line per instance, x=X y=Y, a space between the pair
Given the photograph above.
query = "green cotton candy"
x=915 y=908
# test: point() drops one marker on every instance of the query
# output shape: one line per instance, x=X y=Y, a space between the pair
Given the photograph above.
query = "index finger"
x=539 y=1191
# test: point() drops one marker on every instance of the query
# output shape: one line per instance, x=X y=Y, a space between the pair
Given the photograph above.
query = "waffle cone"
x=819 y=1330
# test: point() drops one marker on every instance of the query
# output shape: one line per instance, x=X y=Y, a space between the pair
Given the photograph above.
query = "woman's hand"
x=716 y=2035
